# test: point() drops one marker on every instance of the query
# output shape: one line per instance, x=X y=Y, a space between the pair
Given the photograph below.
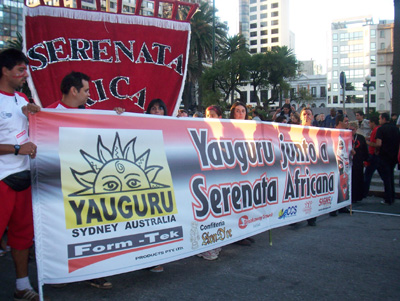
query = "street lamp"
x=368 y=86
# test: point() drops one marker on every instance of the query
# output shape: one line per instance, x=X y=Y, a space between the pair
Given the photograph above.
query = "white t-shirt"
x=13 y=130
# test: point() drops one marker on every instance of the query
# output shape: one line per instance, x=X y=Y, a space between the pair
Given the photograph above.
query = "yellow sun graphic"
x=117 y=170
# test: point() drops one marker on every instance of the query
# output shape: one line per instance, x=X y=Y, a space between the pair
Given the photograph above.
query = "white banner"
x=113 y=194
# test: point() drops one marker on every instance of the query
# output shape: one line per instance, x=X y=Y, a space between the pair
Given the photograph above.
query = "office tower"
x=265 y=24
x=360 y=48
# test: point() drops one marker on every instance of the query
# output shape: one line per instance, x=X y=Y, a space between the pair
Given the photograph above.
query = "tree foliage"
x=226 y=75
x=258 y=67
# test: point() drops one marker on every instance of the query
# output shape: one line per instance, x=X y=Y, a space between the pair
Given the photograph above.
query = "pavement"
x=347 y=257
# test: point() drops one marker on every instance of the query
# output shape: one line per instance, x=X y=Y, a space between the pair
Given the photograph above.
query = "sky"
x=310 y=20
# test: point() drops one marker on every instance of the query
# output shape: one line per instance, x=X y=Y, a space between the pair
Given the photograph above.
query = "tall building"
x=11 y=20
x=360 y=48
x=265 y=24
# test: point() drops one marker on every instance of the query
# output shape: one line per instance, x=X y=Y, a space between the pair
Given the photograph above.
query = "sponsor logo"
x=212 y=225
x=89 y=252
x=288 y=212
x=244 y=220
x=122 y=182
x=221 y=234
x=307 y=207
x=324 y=203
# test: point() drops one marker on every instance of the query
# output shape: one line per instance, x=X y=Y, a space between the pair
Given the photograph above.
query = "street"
x=343 y=258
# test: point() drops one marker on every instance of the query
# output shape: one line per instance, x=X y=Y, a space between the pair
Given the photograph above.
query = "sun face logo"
x=111 y=176
x=117 y=170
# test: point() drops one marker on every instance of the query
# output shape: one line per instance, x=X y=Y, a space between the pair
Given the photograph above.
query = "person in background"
x=316 y=120
x=157 y=107
x=387 y=142
x=330 y=120
x=256 y=115
x=372 y=161
x=285 y=111
x=321 y=120
x=16 y=151
x=238 y=111
x=357 y=169
x=306 y=119
x=281 y=119
x=182 y=113
x=198 y=114
x=295 y=118
x=393 y=119
x=212 y=112
x=363 y=125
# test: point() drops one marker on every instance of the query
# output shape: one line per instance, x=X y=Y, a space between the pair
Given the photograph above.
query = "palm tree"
x=201 y=44
x=16 y=43
x=232 y=45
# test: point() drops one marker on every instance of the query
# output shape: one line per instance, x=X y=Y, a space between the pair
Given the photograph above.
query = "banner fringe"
x=59 y=12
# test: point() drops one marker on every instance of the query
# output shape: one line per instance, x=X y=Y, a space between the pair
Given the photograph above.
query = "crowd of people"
x=375 y=147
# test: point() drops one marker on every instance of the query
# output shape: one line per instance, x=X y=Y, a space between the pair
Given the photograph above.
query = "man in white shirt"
x=15 y=153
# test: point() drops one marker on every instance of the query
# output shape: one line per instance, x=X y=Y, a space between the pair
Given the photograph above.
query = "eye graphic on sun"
x=117 y=170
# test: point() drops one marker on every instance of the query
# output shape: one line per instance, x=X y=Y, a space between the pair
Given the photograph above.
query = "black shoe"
x=244 y=242
x=344 y=210
x=311 y=223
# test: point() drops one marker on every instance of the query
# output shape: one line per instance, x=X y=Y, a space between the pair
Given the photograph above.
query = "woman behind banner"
x=157 y=107
x=239 y=111
x=212 y=112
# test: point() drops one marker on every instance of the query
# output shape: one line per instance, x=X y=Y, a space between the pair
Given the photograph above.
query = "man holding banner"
x=15 y=152
x=75 y=93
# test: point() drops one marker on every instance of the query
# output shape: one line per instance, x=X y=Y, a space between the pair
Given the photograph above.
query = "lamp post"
x=368 y=86
x=213 y=35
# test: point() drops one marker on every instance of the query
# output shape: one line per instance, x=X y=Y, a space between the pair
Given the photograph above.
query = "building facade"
x=360 y=48
x=265 y=24
x=11 y=20
x=308 y=90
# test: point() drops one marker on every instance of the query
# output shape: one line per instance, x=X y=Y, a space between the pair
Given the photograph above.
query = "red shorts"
x=16 y=213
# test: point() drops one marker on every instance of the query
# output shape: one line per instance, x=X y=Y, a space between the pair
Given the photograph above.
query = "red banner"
x=130 y=59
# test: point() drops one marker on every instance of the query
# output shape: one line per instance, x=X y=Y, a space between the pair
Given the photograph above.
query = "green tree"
x=304 y=97
x=283 y=65
x=258 y=67
x=227 y=75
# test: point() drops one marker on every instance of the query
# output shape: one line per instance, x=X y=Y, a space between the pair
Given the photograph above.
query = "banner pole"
x=40 y=290
x=270 y=238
